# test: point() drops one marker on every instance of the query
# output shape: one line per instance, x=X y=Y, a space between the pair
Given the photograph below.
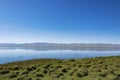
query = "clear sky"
x=61 y=21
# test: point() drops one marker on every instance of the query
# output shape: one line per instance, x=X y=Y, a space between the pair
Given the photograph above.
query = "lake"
x=21 y=54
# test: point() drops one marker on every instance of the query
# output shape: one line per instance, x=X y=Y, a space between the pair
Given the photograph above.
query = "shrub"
x=47 y=66
x=29 y=69
x=33 y=67
x=38 y=79
x=13 y=76
x=4 y=72
x=64 y=70
x=59 y=75
x=84 y=72
x=59 y=61
x=102 y=74
x=38 y=70
x=25 y=72
x=72 y=60
x=59 y=67
x=20 y=78
x=72 y=72
x=117 y=73
x=16 y=68
x=45 y=71
x=78 y=74
x=29 y=79
x=112 y=77
x=39 y=75
x=95 y=70
x=1 y=68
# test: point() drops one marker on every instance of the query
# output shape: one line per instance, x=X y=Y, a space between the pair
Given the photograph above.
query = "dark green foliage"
x=72 y=60
x=25 y=72
x=59 y=67
x=20 y=78
x=29 y=79
x=4 y=71
x=47 y=66
x=29 y=69
x=13 y=76
x=64 y=70
x=16 y=68
x=33 y=68
x=72 y=72
x=79 y=74
x=45 y=71
x=39 y=75
x=60 y=74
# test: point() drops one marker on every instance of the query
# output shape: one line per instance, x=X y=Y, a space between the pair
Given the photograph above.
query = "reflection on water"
x=20 y=54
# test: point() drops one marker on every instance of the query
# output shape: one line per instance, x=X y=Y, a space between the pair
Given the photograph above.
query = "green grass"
x=100 y=68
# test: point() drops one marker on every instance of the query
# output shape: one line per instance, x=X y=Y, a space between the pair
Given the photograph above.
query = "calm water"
x=20 y=55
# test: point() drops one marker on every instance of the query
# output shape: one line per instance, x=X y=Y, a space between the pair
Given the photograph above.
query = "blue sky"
x=61 y=21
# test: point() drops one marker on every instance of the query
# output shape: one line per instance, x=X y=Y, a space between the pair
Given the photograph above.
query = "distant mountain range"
x=61 y=46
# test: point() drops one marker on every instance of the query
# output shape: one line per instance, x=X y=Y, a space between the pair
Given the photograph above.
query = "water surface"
x=20 y=54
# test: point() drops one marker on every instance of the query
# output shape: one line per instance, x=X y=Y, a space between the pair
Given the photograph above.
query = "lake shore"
x=99 y=68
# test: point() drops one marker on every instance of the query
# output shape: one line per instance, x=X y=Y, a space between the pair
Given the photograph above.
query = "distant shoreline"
x=61 y=46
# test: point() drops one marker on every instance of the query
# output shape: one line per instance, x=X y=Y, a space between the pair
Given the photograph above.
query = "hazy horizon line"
x=58 y=43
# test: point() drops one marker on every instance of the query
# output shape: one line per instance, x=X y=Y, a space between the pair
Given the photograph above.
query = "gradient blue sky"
x=69 y=21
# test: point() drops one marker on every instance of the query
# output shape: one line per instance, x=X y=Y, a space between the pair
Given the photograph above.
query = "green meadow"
x=99 y=68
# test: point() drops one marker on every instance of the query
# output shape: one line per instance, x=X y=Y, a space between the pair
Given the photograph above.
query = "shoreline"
x=99 y=68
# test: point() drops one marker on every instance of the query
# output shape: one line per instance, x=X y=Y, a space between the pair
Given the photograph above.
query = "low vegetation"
x=99 y=68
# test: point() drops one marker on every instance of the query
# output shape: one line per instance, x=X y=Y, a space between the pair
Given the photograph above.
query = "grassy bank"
x=101 y=68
